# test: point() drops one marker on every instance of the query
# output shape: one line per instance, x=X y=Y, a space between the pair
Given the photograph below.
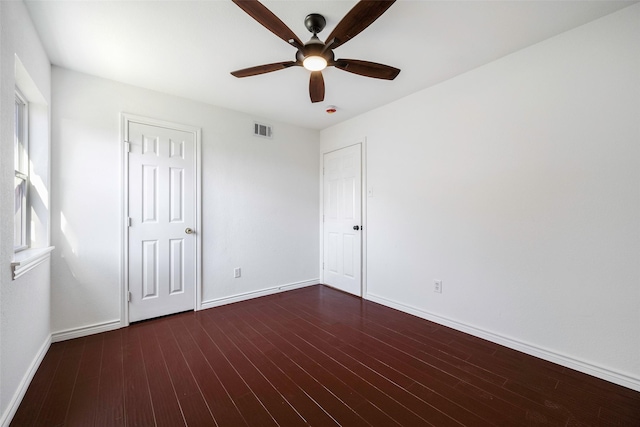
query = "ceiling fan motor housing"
x=315 y=48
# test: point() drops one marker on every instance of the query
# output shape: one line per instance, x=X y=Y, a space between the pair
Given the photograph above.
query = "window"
x=31 y=178
x=21 y=165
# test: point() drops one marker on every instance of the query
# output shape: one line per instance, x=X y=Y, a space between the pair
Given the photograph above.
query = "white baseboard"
x=254 y=294
x=84 y=331
x=560 y=359
x=24 y=384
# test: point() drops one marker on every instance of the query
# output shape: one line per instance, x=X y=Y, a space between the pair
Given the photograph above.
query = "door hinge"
x=127 y=147
x=129 y=221
x=129 y=296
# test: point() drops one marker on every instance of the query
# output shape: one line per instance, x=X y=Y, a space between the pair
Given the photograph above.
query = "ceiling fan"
x=315 y=55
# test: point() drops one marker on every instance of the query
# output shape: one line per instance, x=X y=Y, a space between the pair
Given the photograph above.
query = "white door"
x=342 y=265
x=162 y=211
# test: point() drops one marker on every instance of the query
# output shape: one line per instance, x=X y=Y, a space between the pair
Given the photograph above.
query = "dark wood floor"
x=313 y=356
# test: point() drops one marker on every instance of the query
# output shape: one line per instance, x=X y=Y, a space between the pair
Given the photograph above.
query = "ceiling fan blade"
x=271 y=22
x=316 y=86
x=363 y=14
x=262 y=69
x=368 y=69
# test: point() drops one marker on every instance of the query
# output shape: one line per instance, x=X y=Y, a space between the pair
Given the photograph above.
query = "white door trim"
x=127 y=118
x=363 y=195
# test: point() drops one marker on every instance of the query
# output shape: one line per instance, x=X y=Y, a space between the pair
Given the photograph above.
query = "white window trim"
x=38 y=250
x=29 y=259
x=22 y=171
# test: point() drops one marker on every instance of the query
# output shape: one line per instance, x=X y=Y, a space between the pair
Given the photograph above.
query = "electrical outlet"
x=437 y=286
x=236 y=272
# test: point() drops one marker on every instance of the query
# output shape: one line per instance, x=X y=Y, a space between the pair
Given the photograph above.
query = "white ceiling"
x=188 y=48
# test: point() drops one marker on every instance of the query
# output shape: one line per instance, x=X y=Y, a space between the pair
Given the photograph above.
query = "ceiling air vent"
x=262 y=130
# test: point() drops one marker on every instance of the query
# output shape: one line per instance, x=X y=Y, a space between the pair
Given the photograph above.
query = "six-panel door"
x=342 y=214
x=162 y=191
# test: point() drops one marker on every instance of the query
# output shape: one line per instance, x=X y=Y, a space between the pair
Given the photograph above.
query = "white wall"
x=260 y=198
x=517 y=185
x=24 y=303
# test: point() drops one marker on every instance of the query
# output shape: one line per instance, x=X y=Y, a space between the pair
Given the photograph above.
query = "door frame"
x=125 y=119
x=363 y=208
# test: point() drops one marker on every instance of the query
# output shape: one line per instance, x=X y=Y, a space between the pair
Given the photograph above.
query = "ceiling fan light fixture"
x=314 y=63
x=315 y=55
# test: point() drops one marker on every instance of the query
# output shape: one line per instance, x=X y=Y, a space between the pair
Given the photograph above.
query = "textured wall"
x=260 y=197
x=24 y=303
x=516 y=184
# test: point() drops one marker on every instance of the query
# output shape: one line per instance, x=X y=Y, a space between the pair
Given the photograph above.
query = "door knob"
x=356 y=227
x=188 y=230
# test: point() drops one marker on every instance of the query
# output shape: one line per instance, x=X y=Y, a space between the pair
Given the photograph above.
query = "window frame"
x=21 y=172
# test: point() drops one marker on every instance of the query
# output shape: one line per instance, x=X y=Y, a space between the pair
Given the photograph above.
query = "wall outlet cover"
x=437 y=286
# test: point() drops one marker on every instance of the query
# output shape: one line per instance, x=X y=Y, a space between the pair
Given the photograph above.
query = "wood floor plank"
x=312 y=356
x=84 y=401
x=247 y=403
x=356 y=339
x=56 y=402
x=391 y=341
x=620 y=417
x=310 y=385
x=167 y=411
x=272 y=400
x=329 y=379
x=91 y=358
x=308 y=409
x=441 y=403
x=137 y=396
x=82 y=408
x=396 y=384
x=29 y=409
x=519 y=372
x=549 y=407
x=183 y=381
x=221 y=405
x=110 y=408
x=388 y=410
x=196 y=412
x=193 y=406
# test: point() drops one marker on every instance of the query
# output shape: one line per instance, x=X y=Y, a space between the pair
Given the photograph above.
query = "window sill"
x=29 y=259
